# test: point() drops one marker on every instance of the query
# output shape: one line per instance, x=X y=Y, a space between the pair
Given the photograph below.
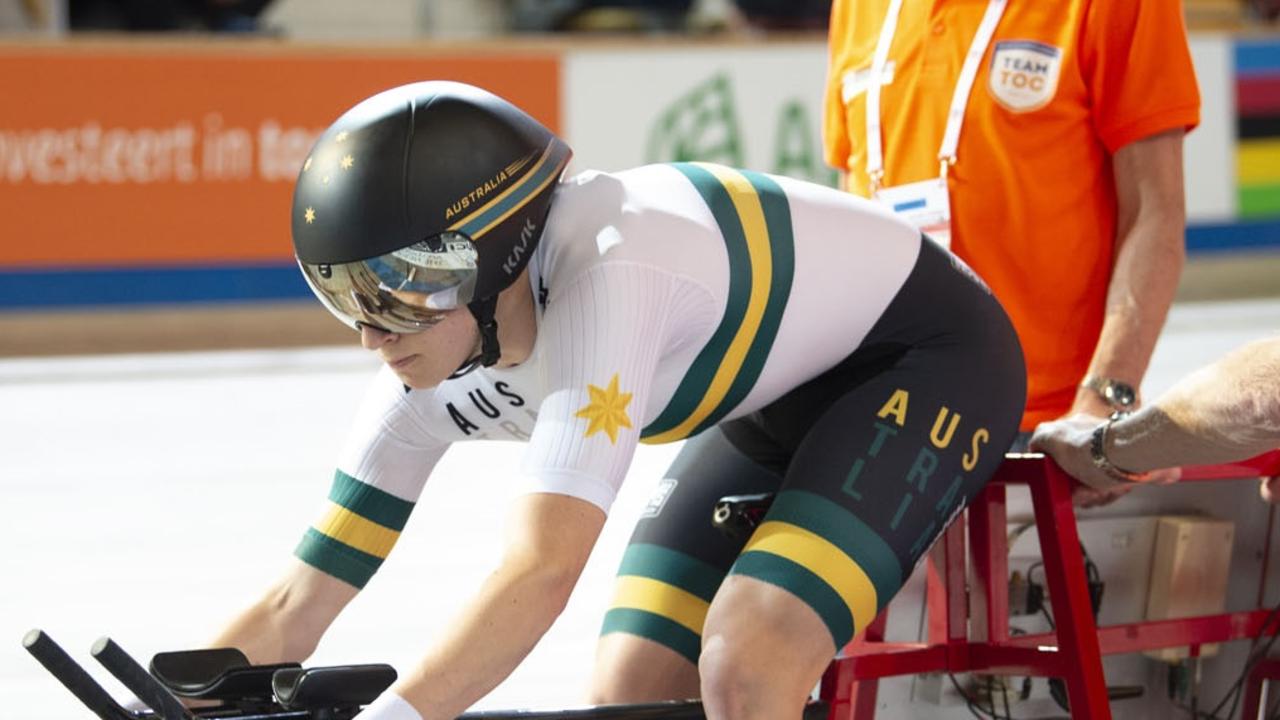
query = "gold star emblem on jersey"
x=607 y=410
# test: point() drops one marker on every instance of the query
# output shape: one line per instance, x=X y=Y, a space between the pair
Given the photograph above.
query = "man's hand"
x=1067 y=442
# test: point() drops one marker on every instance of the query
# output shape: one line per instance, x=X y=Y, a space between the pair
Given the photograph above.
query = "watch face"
x=1120 y=394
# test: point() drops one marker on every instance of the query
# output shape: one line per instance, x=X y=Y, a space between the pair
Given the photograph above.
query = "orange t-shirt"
x=1063 y=86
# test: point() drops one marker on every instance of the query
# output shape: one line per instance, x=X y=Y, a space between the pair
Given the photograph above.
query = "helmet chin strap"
x=483 y=311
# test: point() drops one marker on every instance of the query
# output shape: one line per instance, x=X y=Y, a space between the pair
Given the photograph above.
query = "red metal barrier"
x=969 y=632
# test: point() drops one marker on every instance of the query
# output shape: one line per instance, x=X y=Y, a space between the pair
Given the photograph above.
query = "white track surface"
x=149 y=497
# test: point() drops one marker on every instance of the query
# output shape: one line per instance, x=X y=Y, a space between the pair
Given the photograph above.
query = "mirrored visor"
x=405 y=291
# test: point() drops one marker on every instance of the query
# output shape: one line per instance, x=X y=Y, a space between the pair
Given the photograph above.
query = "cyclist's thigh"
x=892 y=455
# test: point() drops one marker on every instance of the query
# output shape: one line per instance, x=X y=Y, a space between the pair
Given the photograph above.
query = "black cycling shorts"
x=869 y=462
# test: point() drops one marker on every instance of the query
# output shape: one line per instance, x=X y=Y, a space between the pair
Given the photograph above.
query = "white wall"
x=628 y=106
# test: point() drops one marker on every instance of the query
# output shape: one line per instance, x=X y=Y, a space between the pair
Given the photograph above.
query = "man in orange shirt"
x=1059 y=180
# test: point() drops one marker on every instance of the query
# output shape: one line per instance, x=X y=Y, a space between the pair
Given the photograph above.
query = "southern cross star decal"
x=607 y=410
x=328 y=165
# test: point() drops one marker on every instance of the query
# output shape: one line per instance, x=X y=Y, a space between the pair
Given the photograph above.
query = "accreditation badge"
x=925 y=204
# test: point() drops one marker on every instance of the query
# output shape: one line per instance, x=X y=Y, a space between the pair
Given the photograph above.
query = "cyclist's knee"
x=762 y=649
x=739 y=681
x=731 y=678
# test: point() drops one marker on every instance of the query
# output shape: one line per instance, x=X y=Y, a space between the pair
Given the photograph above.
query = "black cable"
x=1254 y=657
x=991 y=698
x=1236 y=691
x=1004 y=693
x=1049 y=618
x=972 y=704
x=1032 y=569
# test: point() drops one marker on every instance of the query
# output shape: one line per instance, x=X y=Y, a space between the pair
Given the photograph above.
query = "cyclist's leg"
x=874 y=479
x=648 y=649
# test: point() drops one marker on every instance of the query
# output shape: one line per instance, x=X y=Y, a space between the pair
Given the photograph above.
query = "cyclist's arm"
x=600 y=330
x=549 y=538
x=356 y=528
x=287 y=622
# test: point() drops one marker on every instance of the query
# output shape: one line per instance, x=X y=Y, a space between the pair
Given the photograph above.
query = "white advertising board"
x=760 y=107
x=757 y=107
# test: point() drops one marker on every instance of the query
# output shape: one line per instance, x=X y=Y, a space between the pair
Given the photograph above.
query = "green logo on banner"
x=703 y=125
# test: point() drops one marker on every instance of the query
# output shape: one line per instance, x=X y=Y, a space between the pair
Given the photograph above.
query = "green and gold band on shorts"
x=663 y=595
x=823 y=554
x=357 y=531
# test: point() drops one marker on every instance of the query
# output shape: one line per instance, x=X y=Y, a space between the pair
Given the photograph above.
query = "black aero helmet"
x=421 y=199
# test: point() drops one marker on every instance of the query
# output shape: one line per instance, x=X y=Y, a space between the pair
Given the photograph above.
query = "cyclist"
x=804 y=341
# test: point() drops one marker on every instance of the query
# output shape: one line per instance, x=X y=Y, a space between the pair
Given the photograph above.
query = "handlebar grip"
x=73 y=677
x=139 y=681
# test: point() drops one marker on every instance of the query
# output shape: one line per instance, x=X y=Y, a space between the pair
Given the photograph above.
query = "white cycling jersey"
x=669 y=298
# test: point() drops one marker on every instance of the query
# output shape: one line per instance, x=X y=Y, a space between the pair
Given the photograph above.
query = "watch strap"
x=1098 y=453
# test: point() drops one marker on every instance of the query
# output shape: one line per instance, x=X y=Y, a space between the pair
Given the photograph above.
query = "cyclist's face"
x=425 y=359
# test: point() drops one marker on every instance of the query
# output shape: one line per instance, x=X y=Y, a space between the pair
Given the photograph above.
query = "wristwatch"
x=1098 y=453
x=1119 y=395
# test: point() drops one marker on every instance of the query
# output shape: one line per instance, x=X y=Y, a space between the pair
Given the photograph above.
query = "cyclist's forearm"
x=512 y=611
x=287 y=622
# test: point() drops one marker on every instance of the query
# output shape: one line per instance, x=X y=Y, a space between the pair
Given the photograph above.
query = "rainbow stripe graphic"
x=1258 y=128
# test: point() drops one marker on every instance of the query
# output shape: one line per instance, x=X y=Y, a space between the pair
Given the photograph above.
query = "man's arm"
x=1227 y=411
x=1150 y=251
x=287 y=622
x=549 y=539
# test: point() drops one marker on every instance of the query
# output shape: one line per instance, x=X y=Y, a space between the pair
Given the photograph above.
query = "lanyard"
x=959 y=98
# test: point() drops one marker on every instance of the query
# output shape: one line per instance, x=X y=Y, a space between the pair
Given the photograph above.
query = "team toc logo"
x=1024 y=74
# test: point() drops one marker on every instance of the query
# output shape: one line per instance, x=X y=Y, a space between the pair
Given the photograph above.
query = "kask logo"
x=526 y=235
x=1024 y=74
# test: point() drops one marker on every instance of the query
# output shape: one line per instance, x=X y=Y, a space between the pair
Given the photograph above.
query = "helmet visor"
x=405 y=291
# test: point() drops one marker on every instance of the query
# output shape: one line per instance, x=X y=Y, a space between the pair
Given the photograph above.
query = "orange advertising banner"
x=128 y=155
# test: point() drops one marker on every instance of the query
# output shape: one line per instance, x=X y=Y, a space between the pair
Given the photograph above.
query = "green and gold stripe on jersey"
x=826 y=556
x=357 y=531
x=663 y=595
x=754 y=217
